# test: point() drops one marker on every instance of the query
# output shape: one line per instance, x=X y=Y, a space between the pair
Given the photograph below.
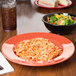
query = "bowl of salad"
x=60 y=23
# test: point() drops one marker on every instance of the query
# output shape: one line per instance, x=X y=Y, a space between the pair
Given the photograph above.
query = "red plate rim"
x=61 y=6
x=66 y=43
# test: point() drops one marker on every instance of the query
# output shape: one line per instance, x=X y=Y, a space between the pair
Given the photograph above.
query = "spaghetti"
x=37 y=49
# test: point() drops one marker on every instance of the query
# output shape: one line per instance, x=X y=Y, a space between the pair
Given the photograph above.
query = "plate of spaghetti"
x=38 y=49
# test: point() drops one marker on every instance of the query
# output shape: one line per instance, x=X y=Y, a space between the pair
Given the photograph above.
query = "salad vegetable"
x=61 y=19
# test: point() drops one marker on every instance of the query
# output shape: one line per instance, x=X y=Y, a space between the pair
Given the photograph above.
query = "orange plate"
x=60 y=41
x=47 y=6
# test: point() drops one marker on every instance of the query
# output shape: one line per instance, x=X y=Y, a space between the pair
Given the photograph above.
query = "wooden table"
x=29 y=20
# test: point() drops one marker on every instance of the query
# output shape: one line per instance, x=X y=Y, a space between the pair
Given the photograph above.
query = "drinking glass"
x=8 y=9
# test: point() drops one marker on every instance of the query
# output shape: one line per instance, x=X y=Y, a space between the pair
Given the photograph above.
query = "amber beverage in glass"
x=8 y=9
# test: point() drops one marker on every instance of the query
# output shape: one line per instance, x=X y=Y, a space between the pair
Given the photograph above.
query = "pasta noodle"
x=37 y=49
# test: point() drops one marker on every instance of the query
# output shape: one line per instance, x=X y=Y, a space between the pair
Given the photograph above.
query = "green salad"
x=60 y=19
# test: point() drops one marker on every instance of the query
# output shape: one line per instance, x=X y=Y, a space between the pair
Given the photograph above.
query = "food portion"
x=64 y=2
x=37 y=49
x=61 y=19
x=53 y=3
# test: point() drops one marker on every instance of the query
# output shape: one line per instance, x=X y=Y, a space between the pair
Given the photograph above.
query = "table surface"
x=29 y=20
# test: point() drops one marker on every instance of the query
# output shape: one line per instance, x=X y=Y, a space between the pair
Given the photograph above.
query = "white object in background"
x=32 y=2
x=65 y=14
x=4 y=63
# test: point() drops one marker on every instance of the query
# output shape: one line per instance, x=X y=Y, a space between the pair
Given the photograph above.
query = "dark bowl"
x=59 y=29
